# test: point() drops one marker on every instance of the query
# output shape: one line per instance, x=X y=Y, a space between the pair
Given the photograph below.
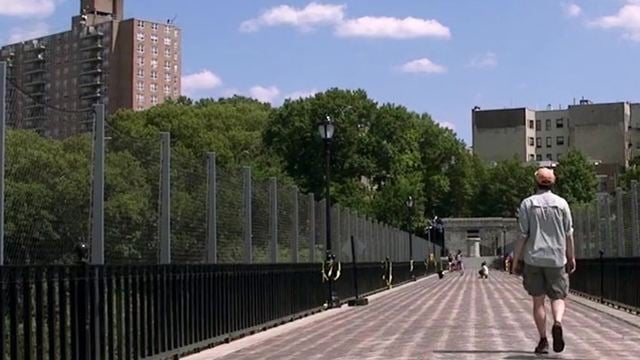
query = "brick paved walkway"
x=458 y=317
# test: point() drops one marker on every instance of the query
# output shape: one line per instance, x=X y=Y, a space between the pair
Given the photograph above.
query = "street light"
x=326 y=129
x=409 y=204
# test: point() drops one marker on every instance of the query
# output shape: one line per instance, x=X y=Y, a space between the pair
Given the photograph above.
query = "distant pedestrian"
x=547 y=251
x=484 y=271
x=459 y=264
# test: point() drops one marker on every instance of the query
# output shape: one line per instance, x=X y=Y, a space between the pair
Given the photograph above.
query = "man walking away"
x=546 y=246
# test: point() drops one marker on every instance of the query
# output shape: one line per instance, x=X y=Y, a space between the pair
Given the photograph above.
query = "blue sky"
x=441 y=56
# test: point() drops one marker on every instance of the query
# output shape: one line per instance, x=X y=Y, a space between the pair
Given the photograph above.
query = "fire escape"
x=91 y=82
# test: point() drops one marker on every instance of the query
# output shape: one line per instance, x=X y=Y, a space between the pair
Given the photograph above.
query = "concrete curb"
x=631 y=319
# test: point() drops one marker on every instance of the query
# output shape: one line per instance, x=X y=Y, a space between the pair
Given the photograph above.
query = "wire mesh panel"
x=593 y=229
x=321 y=230
x=188 y=207
x=230 y=215
x=611 y=243
x=132 y=193
x=285 y=223
x=628 y=226
x=260 y=221
x=305 y=225
x=48 y=177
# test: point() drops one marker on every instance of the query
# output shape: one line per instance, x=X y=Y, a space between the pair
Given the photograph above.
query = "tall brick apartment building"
x=130 y=63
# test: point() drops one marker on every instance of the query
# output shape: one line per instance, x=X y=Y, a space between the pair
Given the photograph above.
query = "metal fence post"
x=165 y=199
x=312 y=227
x=620 y=222
x=578 y=232
x=212 y=215
x=273 y=219
x=97 y=220
x=336 y=228
x=246 y=228
x=3 y=120
x=296 y=227
x=635 y=229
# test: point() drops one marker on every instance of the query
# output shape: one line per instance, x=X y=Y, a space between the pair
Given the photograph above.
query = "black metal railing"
x=157 y=312
x=609 y=280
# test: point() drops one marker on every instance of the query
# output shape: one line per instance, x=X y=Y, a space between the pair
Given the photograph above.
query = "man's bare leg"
x=557 y=307
x=540 y=315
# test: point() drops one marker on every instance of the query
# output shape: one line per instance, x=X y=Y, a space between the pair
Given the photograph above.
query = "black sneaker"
x=543 y=347
x=558 y=340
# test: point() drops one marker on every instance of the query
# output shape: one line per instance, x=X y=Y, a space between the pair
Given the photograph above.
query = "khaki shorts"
x=550 y=281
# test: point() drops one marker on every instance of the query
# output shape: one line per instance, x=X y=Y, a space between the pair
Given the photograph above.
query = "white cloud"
x=38 y=8
x=486 y=60
x=627 y=18
x=390 y=27
x=265 y=94
x=423 y=65
x=301 y=94
x=18 y=34
x=446 y=124
x=305 y=19
x=203 y=80
x=572 y=10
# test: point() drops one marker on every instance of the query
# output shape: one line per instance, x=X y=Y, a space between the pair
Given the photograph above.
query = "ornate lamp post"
x=409 y=204
x=326 y=129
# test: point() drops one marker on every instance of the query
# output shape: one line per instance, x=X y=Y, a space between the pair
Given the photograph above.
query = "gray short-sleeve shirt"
x=545 y=221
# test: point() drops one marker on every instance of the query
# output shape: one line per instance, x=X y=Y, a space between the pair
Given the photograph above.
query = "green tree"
x=505 y=185
x=576 y=178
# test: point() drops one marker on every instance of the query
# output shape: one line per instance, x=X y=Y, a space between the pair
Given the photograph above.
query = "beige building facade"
x=607 y=133
x=132 y=63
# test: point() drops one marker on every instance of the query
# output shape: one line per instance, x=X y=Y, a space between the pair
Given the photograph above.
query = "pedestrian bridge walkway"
x=458 y=317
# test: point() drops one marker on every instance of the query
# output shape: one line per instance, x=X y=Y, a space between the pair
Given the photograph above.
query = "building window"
x=140 y=24
x=140 y=86
x=154 y=75
x=560 y=140
x=154 y=50
x=558 y=156
x=167 y=41
x=154 y=100
x=532 y=157
x=530 y=141
x=548 y=141
x=167 y=52
x=167 y=30
x=153 y=87
x=167 y=77
x=560 y=123
x=140 y=48
x=140 y=99
x=538 y=142
x=167 y=65
x=167 y=90
x=154 y=27
x=154 y=39
x=549 y=156
x=538 y=125
x=140 y=61
x=154 y=63
x=140 y=36
x=530 y=124
x=176 y=33
x=141 y=73
x=547 y=125
x=539 y=157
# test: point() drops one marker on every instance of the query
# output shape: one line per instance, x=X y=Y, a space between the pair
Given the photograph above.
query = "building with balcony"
x=122 y=63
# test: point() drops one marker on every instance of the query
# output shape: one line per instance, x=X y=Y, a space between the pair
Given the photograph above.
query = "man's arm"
x=517 y=254
x=571 y=256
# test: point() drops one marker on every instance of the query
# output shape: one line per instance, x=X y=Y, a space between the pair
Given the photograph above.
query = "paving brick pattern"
x=458 y=317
